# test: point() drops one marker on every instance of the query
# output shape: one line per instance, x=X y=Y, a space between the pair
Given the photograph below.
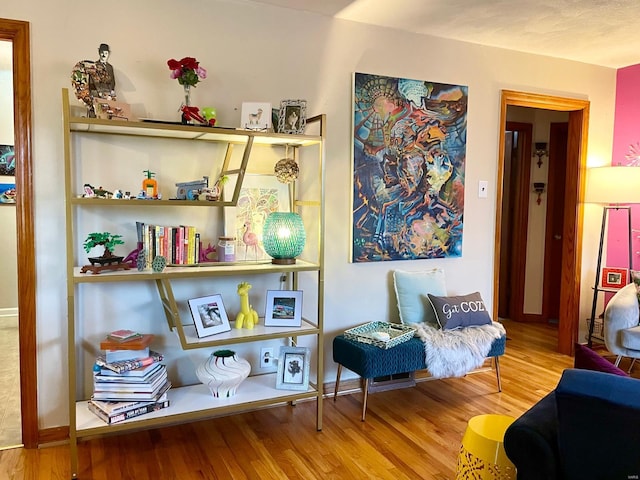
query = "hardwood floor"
x=410 y=433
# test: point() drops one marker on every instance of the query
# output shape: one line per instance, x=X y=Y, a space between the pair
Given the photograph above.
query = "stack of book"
x=128 y=379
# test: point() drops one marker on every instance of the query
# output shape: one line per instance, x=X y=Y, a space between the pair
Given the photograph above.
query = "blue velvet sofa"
x=588 y=428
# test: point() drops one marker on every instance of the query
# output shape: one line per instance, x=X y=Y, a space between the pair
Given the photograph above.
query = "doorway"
x=572 y=214
x=17 y=32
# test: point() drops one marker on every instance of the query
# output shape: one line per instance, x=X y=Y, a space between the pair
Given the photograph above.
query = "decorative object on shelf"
x=284 y=237
x=94 y=79
x=214 y=193
x=613 y=277
x=159 y=264
x=141 y=260
x=112 y=110
x=209 y=114
x=260 y=195
x=188 y=72
x=191 y=190
x=293 y=368
x=402 y=119
x=209 y=315
x=538 y=188
x=287 y=169
x=614 y=187
x=206 y=253
x=292 y=117
x=226 y=249
x=150 y=185
x=541 y=151
x=108 y=261
x=284 y=308
x=255 y=116
x=223 y=371
x=247 y=317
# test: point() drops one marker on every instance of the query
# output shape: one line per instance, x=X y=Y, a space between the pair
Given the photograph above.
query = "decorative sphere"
x=208 y=113
x=286 y=170
x=283 y=235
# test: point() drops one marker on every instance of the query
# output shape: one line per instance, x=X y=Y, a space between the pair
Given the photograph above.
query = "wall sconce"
x=283 y=237
x=538 y=187
x=541 y=151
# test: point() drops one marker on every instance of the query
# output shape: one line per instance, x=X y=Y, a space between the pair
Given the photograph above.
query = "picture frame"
x=292 y=117
x=293 y=368
x=209 y=315
x=259 y=196
x=614 y=277
x=255 y=116
x=283 y=308
x=7 y=193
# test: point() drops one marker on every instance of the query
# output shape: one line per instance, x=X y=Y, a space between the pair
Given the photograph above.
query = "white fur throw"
x=454 y=353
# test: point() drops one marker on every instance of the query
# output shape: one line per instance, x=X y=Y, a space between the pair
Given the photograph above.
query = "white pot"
x=222 y=372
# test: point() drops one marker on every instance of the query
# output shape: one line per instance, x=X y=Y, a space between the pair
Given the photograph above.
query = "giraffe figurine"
x=247 y=314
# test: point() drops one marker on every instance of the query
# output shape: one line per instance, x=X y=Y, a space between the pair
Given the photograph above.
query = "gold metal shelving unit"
x=192 y=403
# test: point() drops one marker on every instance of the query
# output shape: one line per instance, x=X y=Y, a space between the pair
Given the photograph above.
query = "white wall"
x=8 y=259
x=260 y=53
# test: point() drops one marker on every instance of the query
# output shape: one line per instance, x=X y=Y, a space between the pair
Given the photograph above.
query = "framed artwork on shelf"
x=7 y=160
x=292 y=117
x=7 y=193
x=293 y=368
x=259 y=196
x=255 y=116
x=209 y=315
x=613 y=277
x=284 y=308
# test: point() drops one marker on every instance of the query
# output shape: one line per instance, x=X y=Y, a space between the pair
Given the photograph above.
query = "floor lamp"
x=615 y=187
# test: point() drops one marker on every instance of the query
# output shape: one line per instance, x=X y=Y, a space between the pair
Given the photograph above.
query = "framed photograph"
x=293 y=368
x=259 y=196
x=7 y=160
x=255 y=116
x=614 y=277
x=7 y=193
x=292 y=117
x=284 y=308
x=209 y=315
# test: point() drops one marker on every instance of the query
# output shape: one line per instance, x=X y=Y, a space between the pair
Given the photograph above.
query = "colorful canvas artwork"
x=7 y=160
x=409 y=151
x=7 y=193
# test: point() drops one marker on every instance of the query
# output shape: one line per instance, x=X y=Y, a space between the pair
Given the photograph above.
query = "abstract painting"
x=409 y=152
x=7 y=160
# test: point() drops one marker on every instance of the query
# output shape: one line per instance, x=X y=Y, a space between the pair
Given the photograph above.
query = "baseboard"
x=8 y=312
x=51 y=436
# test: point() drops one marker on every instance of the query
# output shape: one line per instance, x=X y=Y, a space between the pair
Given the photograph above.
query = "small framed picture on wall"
x=613 y=277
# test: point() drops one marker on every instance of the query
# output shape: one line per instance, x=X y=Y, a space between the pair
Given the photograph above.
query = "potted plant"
x=108 y=241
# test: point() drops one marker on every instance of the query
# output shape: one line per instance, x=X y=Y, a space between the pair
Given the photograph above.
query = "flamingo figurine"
x=250 y=239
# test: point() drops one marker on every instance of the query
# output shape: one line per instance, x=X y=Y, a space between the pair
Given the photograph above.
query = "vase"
x=222 y=372
x=187 y=101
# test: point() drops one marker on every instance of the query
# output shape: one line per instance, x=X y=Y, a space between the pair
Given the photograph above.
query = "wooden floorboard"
x=409 y=433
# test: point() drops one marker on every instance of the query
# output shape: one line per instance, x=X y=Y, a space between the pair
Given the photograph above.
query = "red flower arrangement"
x=188 y=71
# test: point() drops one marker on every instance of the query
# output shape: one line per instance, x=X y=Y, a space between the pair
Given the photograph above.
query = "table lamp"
x=283 y=237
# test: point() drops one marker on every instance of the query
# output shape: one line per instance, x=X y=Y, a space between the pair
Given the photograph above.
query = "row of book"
x=180 y=245
x=128 y=379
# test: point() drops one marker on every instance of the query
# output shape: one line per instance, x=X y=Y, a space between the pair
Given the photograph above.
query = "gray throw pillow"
x=460 y=311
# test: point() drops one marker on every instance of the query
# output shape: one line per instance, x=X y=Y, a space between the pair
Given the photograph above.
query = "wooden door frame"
x=574 y=211
x=18 y=33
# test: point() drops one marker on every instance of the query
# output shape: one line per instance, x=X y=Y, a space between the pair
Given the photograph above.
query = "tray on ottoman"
x=366 y=333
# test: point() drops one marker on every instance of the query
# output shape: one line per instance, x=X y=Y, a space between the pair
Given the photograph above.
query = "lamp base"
x=283 y=261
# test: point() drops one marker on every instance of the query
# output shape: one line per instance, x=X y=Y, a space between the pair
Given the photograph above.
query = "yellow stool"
x=482 y=454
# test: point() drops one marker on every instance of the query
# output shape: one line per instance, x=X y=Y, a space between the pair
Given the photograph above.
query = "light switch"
x=483 y=187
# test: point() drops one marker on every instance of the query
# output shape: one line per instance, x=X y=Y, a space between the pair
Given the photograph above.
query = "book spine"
x=198 y=247
x=132 y=413
x=191 y=253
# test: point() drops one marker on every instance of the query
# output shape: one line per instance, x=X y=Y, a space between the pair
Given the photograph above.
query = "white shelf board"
x=194 y=271
x=195 y=402
x=240 y=335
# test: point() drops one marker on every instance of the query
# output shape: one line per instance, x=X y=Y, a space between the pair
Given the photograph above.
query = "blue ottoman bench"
x=370 y=361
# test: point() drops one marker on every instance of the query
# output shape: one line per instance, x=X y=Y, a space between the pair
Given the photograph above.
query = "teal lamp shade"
x=283 y=237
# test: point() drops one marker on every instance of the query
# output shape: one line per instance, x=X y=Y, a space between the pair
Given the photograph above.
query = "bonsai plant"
x=106 y=239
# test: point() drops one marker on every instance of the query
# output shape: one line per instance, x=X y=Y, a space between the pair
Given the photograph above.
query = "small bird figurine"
x=250 y=239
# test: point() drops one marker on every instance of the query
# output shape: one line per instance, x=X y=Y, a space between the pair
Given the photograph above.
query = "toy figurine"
x=247 y=314
x=150 y=185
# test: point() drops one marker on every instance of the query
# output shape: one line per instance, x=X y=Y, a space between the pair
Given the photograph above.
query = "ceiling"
x=599 y=32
